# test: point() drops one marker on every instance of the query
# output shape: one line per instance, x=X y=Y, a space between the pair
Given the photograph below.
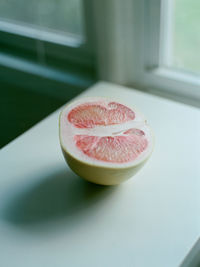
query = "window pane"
x=62 y=16
x=183 y=35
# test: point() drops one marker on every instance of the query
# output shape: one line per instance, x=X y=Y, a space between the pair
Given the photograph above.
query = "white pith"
x=68 y=130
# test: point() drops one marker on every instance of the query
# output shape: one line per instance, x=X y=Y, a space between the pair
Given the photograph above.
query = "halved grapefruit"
x=104 y=141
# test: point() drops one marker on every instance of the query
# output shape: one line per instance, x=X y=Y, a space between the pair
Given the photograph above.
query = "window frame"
x=134 y=59
x=122 y=46
x=152 y=74
x=68 y=60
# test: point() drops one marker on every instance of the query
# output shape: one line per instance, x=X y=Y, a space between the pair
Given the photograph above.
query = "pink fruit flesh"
x=122 y=148
x=89 y=115
x=116 y=149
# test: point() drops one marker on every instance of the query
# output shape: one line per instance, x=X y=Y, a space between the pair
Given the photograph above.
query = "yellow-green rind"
x=101 y=175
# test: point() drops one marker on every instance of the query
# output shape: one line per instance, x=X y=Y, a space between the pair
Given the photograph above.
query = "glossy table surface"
x=51 y=217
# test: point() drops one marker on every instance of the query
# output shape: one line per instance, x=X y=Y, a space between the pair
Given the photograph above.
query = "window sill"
x=157 y=207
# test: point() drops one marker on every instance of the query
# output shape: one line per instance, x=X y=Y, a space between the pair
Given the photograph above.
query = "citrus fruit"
x=104 y=141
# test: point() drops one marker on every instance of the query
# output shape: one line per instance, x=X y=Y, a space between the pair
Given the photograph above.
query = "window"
x=152 y=45
x=164 y=44
x=58 y=16
x=182 y=37
x=48 y=39
x=147 y=44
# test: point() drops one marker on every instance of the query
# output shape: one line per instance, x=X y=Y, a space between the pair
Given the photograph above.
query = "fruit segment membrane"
x=116 y=147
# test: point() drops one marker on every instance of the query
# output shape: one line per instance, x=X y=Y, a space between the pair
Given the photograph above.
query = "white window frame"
x=128 y=50
x=122 y=43
x=23 y=53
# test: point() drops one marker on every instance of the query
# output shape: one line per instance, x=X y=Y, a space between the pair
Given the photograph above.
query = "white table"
x=50 y=217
